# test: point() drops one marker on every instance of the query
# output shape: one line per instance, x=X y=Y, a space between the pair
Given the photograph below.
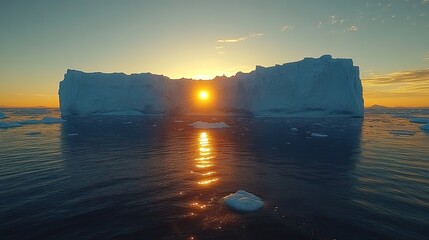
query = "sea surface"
x=160 y=178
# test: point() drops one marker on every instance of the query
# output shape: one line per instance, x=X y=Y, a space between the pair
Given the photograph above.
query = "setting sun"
x=203 y=95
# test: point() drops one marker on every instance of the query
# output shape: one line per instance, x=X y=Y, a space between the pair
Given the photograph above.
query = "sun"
x=203 y=95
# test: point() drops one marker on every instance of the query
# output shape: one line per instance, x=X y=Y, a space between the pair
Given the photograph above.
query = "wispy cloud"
x=239 y=39
x=398 y=84
x=353 y=28
x=286 y=28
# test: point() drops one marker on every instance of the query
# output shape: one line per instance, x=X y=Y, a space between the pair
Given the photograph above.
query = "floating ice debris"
x=51 y=120
x=46 y=120
x=318 y=135
x=9 y=124
x=419 y=120
x=243 y=201
x=33 y=133
x=2 y=115
x=403 y=132
x=200 y=124
x=425 y=127
x=294 y=129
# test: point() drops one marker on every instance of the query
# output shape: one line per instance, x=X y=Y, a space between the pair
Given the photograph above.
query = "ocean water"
x=159 y=178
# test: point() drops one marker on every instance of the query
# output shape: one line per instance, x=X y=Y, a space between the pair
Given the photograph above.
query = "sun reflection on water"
x=205 y=160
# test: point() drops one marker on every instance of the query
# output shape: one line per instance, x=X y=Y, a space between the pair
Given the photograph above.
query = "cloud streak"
x=239 y=39
x=398 y=84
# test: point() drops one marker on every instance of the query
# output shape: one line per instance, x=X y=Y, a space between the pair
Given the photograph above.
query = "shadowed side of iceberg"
x=312 y=87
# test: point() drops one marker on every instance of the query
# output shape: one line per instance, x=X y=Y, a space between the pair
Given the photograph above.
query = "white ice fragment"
x=243 y=201
x=200 y=124
x=9 y=124
x=318 y=135
x=402 y=132
x=425 y=127
x=294 y=129
x=419 y=120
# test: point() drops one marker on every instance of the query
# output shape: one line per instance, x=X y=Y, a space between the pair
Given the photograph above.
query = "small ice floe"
x=32 y=133
x=243 y=201
x=318 y=135
x=402 y=132
x=200 y=124
x=419 y=120
x=49 y=120
x=294 y=129
x=72 y=134
x=45 y=120
x=178 y=121
x=2 y=115
x=425 y=127
x=9 y=124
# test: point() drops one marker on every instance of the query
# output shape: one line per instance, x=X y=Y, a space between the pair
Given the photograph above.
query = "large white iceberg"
x=312 y=87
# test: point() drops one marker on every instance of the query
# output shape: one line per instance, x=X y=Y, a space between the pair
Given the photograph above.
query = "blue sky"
x=40 y=40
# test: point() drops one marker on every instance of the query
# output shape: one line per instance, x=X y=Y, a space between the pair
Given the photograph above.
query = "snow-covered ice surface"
x=207 y=125
x=311 y=87
x=243 y=201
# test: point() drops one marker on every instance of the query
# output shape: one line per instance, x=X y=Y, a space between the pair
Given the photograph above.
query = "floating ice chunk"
x=294 y=129
x=30 y=121
x=200 y=124
x=32 y=133
x=318 y=135
x=9 y=124
x=51 y=120
x=46 y=120
x=243 y=201
x=419 y=120
x=425 y=127
x=2 y=115
x=403 y=132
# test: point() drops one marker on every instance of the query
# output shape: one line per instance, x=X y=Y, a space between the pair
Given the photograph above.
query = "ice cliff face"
x=312 y=87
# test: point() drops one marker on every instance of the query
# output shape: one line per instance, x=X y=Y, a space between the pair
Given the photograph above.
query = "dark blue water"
x=156 y=178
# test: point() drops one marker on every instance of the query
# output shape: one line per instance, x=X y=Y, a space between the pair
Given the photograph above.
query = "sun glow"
x=203 y=95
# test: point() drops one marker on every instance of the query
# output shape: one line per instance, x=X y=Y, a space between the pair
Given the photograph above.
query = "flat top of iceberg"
x=243 y=201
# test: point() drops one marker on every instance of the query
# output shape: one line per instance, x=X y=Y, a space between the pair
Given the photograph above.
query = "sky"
x=40 y=40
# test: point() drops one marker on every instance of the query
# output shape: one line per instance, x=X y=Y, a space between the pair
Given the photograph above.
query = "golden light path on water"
x=204 y=164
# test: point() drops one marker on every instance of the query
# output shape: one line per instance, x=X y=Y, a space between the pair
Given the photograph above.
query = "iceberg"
x=200 y=124
x=243 y=201
x=312 y=87
x=9 y=124
x=419 y=120
x=425 y=127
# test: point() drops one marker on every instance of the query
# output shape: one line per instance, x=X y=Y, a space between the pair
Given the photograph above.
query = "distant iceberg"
x=200 y=124
x=312 y=87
